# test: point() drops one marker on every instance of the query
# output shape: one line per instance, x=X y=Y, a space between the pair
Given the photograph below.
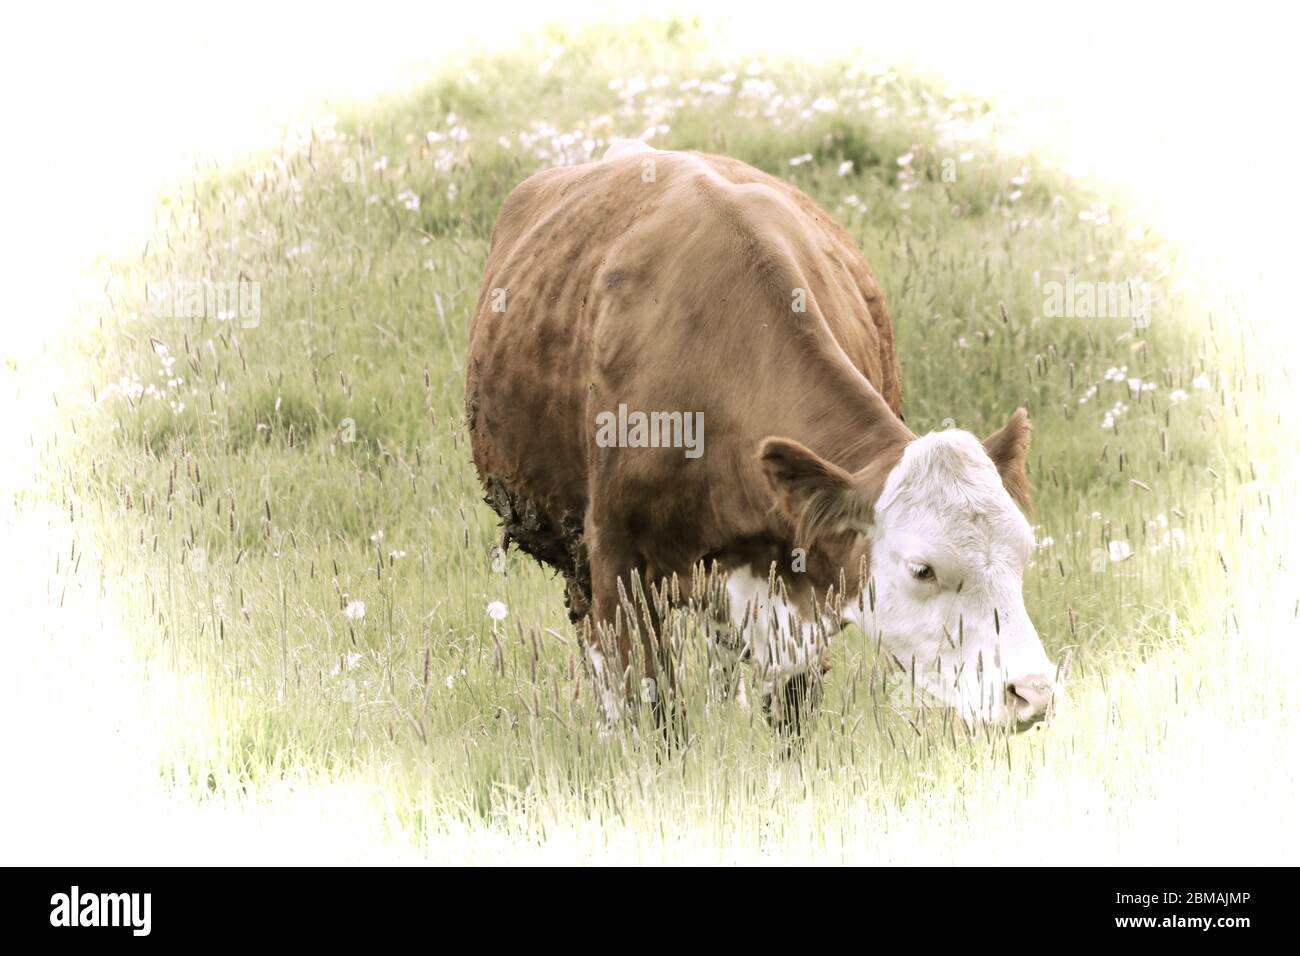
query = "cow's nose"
x=1029 y=699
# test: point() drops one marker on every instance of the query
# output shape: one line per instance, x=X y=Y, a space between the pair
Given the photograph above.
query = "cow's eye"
x=920 y=571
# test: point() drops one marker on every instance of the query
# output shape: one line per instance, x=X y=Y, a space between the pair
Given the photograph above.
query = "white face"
x=948 y=552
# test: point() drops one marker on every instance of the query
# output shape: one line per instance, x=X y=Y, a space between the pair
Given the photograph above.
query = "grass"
x=244 y=491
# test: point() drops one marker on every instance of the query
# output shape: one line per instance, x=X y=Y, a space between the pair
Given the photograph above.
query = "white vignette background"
x=1188 y=112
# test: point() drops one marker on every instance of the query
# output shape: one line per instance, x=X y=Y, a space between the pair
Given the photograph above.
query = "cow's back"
x=665 y=282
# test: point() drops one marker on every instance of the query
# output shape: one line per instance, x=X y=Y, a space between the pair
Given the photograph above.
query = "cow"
x=678 y=362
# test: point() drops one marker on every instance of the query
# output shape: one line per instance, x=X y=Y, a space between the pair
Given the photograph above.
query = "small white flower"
x=846 y=167
x=378 y=535
x=1120 y=551
x=1118 y=409
x=497 y=610
x=355 y=610
x=1201 y=382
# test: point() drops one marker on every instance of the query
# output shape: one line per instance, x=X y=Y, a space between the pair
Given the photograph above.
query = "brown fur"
x=675 y=295
x=1009 y=448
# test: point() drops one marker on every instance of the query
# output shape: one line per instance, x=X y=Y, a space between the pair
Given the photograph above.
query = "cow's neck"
x=845 y=420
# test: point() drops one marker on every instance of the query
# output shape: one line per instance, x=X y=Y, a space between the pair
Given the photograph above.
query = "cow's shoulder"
x=793 y=241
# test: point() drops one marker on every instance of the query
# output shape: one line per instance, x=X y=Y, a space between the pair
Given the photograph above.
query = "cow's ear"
x=1009 y=448
x=818 y=496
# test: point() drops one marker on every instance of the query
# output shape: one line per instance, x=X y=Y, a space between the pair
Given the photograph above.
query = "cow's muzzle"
x=1029 y=699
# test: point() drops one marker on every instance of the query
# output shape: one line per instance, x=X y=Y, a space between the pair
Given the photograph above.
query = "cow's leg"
x=791 y=698
x=791 y=703
x=577 y=592
x=788 y=653
x=659 y=677
x=725 y=653
x=625 y=640
x=723 y=630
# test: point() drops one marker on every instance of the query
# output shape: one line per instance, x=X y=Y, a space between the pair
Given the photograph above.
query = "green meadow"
x=277 y=491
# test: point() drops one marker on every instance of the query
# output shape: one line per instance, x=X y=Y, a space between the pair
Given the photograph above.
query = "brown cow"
x=677 y=359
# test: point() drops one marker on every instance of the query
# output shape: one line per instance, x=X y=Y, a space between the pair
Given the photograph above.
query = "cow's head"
x=941 y=520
